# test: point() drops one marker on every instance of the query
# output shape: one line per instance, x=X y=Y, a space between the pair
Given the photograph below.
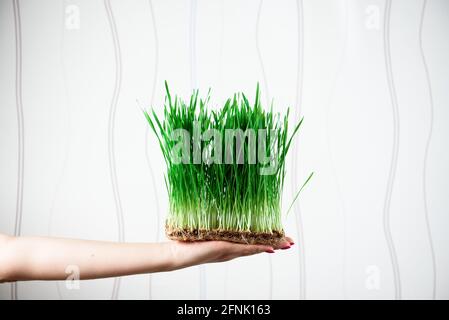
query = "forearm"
x=41 y=258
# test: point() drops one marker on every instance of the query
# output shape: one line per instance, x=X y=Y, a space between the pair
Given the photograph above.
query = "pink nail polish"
x=285 y=248
x=270 y=251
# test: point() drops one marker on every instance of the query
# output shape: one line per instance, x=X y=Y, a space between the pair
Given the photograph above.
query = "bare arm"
x=45 y=258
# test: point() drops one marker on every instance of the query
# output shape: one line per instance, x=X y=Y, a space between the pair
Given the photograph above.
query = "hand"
x=186 y=254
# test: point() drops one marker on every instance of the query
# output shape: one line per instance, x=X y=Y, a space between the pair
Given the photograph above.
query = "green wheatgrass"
x=230 y=197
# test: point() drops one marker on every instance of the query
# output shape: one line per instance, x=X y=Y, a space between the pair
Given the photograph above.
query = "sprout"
x=225 y=168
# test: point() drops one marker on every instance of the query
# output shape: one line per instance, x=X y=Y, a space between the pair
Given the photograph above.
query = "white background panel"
x=370 y=78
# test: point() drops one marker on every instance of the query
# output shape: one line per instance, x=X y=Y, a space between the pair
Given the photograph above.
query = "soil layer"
x=246 y=237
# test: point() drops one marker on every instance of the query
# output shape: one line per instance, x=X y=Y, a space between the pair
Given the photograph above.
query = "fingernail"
x=286 y=247
x=270 y=251
x=292 y=243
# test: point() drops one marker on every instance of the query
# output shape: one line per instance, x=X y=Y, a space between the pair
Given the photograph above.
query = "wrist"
x=173 y=259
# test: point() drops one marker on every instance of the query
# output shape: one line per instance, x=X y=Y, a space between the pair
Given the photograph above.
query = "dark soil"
x=246 y=237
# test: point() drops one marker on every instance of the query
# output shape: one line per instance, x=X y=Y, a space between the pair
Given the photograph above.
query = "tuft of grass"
x=223 y=196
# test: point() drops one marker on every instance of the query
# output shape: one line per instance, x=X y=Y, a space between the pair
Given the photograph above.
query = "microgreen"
x=225 y=196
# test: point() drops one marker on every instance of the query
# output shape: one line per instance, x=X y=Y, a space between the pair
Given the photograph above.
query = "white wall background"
x=370 y=77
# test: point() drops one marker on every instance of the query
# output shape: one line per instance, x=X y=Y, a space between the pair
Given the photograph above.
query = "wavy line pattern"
x=220 y=71
x=298 y=102
x=21 y=128
x=267 y=97
x=68 y=140
x=394 y=156
x=220 y=68
x=111 y=124
x=193 y=11
x=329 y=149
x=259 y=54
x=193 y=84
x=147 y=132
x=426 y=153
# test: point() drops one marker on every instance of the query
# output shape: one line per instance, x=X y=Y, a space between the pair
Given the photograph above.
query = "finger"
x=267 y=249
x=290 y=240
x=255 y=249
x=281 y=244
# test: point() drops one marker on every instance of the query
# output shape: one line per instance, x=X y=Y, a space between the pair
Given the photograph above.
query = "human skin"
x=47 y=258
